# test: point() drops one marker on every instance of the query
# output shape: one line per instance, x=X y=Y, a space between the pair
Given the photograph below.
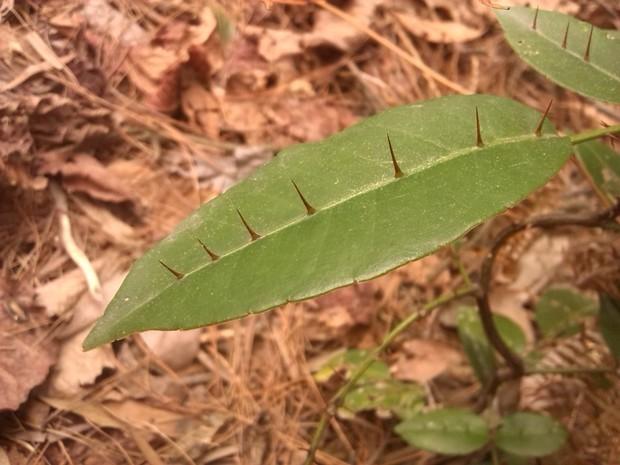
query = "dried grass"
x=249 y=397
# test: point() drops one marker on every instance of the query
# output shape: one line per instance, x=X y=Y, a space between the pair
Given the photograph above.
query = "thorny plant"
x=328 y=214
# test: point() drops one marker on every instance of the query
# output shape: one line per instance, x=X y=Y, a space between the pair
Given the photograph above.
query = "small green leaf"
x=476 y=345
x=323 y=215
x=603 y=165
x=349 y=360
x=609 y=323
x=375 y=389
x=403 y=399
x=592 y=71
x=225 y=26
x=446 y=431
x=560 y=311
x=527 y=434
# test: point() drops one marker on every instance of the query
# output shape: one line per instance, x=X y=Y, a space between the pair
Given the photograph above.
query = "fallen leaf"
x=445 y=32
x=177 y=349
x=60 y=294
x=422 y=360
x=155 y=67
x=24 y=362
x=85 y=174
x=539 y=262
x=329 y=29
x=76 y=368
x=138 y=414
x=100 y=15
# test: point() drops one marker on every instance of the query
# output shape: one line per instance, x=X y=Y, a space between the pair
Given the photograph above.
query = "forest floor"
x=119 y=118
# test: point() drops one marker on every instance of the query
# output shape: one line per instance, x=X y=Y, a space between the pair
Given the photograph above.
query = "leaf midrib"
x=368 y=188
x=568 y=51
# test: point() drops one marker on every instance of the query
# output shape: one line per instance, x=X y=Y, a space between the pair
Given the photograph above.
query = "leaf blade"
x=445 y=431
x=609 y=323
x=603 y=166
x=528 y=434
x=560 y=311
x=366 y=223
x=476 y=345
x=542 y=48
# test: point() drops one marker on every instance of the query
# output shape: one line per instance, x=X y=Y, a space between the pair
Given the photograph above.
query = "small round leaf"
x=527 y=434
x=446 y=431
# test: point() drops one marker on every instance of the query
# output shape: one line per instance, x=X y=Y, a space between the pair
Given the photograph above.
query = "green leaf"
x=560 y=312
x=446 y=431
x=477 y=347
x=376 y=389
x=527 y=434
x=609 y=323
x=403 y=399
x=349 y=360
x=603 y=165
x=367 y=221
x=542 y=48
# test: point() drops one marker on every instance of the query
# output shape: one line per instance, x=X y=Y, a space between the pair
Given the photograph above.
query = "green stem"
x=585 y=136
x=370 y=358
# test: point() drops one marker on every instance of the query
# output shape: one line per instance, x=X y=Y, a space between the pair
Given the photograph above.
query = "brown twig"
x=603 y=219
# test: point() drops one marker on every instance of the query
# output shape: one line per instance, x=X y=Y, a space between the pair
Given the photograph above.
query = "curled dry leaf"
x=100 y=15
x=422 y=360
x=85 y=174
x=76 y=368
x=28 y=121
x=24 y=362
x=155 y=67
x=329 y=29
x=446 y=32
x=176 y=349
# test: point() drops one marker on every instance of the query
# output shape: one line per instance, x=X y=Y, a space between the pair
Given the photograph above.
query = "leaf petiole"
x=591 y=134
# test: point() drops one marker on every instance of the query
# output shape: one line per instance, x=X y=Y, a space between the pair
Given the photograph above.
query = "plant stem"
x=585 y=136
x=605 y=219
x=337 y=399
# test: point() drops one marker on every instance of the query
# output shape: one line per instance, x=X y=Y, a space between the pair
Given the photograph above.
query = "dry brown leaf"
x=24 y=362
x=100 y=15
x=88 y=309
x=138 y=414
x=85 y=174
x=538 y=264
x=445 y=32
x=329 y=29
x=76 y=368
x=58 y=295
x=155 y=68
x=117 y=230
x=202 y=109
x=177 y=349
x=424 y=360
